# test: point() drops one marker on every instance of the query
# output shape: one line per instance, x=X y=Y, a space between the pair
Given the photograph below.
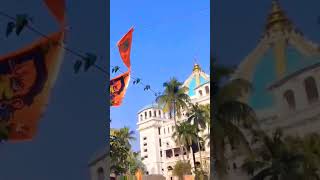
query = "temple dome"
x=282 y=52
x=196 y=79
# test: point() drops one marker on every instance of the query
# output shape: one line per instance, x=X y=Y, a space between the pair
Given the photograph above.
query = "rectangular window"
x=145 y=144
x=159 y=130
x=160 y=153
x=145 y=150
x=145 y=157
x=145 y=138
x=160 y=142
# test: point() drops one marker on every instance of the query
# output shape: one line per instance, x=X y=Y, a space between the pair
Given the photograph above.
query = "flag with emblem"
x=26 y=78
x=124 y=46
x=57 y=9
x=118 y=87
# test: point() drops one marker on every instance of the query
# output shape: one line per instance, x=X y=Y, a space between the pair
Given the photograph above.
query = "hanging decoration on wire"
x=119 y=85
x=84 y=61
x=26 y=79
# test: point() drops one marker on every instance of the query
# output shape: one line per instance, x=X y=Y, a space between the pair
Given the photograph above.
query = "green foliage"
x=288 y=157
x=201 y=175
x=115 y=69
x=174 y=97
x=231 y=117
x=90 y=59
x=123 y=160
x=136 y=163
x=77 y=65
x=185 y=133
x=147 y=87
x=136 y=81
x=198 y=116
x=22 y=21
x=181 y=168
x=87 y=61
x=10 y=28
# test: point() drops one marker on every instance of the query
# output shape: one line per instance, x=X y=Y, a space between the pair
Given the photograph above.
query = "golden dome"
x=196 y=67
x=277 y=19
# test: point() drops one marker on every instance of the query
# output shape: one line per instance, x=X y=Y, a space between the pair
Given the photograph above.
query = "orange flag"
x=26 y=78
x=57 y=9
x=124 y=46
x=118 y=87
x=139 y=175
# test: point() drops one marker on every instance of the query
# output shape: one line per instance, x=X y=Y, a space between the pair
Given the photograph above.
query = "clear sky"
x=73 y=125
x=168 y=36
x=238 y=25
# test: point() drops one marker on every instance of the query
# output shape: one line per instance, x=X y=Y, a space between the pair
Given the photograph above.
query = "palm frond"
x=238 y=112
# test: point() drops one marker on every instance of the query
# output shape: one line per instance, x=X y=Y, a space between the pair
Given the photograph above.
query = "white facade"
x=158 y=149
x=295 y=92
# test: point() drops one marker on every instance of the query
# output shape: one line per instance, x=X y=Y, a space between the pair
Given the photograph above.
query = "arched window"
x=200 y=92
x=289 y=97
x=155 y=113
x=149 y=113
x=311 y=89
x=159 y=113
x=145 y=115
x=207 y=89
x=100 y=173
x=141 y=117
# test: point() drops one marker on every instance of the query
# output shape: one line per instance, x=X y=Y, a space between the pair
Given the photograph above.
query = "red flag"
x=26 y=78
x=118 y=87
x=124 y=46
x=57 y=8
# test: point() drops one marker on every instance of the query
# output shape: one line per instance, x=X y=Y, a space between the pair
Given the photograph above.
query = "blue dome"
x=261 y=97
x=192 y=85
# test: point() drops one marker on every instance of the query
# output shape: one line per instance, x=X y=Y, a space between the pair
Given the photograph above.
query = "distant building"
x=98 y=164
x=158 y=149
x=284 y=70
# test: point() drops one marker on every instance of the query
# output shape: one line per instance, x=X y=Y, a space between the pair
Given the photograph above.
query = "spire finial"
x=277 y=19
x=196 y=66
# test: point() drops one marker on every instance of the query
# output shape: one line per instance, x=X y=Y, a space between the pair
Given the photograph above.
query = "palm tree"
x=120 y=149
x=286 y=158
x=198 y=116
x=186 y=134
x=135 y=163
x=124 y=134
x=174 y=100
x=230 y=116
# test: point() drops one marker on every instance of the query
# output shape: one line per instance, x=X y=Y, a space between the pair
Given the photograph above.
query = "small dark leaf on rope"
x=10 y=28
x=77 y=65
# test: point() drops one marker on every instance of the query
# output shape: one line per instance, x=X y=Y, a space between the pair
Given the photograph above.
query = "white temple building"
x=158 y=149
x=284 y=70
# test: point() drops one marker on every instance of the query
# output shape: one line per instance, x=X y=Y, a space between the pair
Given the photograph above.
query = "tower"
x=149 y=124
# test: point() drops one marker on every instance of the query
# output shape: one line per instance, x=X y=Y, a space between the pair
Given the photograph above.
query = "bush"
x=182 y=168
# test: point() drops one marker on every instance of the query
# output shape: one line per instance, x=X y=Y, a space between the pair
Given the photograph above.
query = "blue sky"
x=168 y=36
